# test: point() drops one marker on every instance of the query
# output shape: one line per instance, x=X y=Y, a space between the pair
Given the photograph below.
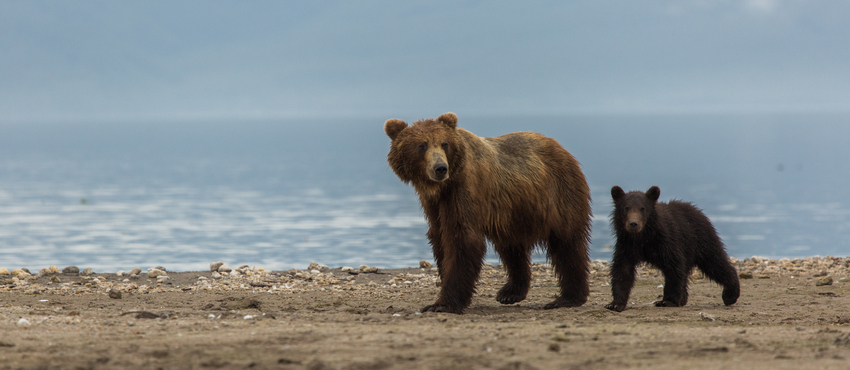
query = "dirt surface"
x=335 y=320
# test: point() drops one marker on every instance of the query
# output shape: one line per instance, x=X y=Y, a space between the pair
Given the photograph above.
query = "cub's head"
x=633 y=209
x=426 y=153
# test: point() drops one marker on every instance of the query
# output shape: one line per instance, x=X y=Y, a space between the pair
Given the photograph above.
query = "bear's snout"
x=634 y=223
x=439 y=172
x=441 y=169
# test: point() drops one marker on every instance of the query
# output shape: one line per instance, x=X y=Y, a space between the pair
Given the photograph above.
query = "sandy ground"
x=334 y=320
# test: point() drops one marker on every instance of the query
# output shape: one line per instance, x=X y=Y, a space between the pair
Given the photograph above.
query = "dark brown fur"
x=673 y=236
x=518 y=191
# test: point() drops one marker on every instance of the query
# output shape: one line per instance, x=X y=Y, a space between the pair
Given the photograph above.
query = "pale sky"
x=200 y=60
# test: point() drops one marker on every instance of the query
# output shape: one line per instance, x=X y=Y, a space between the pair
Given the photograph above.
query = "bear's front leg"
x=675 y=288
x=463 y=256
x=622 y=281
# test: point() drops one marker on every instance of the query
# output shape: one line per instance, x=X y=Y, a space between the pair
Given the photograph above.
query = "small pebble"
x=745 y=275
x=4 y=271
x=23 y=322
x=215 y=275
x=135 y=271
x=114 y=294
x=55 y=279
x=824 y=281
x=87 y=271
x=224 y=269
x=71 y=270
x=53 y=269
x=120 y=273
x=707 y=317
x=160 y=268
x=425 y=264
x=346 y=269
x=369 y=269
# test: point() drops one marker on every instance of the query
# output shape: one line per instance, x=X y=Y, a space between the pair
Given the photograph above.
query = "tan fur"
x=518 y=190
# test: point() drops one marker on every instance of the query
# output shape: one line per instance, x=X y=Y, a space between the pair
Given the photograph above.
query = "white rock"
x=155 y=273
x=347 y=269
x=215 y=265
x=215 y=275
x=234 y=273
x=315 y=272
x=224 y=269
x=120 y=273
x=23 y=322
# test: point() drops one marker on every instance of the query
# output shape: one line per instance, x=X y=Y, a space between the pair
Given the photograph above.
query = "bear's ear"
x=653 y=193
x=393 y=126
x=448 y=119
x=617 y=192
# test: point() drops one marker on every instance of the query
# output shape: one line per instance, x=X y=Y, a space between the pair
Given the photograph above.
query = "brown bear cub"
x=518 y=191
x=675 y=237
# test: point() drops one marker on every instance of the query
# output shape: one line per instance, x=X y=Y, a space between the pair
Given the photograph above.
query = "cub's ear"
x=448 y=119
x=393 y=126
x=617 y=192
x=653 y=193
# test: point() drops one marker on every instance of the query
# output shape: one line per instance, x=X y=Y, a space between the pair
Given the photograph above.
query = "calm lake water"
x=114 y=196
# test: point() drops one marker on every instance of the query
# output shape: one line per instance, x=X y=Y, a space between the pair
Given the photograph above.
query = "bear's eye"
x=445 y=146
x=422 y=147
x=627 y=208
x=642 y=209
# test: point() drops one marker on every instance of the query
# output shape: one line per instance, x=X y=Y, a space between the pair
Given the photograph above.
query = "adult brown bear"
x=518 y=191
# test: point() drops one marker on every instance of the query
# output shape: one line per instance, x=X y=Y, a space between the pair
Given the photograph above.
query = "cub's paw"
x=440 y=308
x=615 y=307
x=563 y=302
x=665 y=304
x=510 y=295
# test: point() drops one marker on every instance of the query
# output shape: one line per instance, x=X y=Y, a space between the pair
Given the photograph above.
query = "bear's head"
x=426 y=153
x=633 y=209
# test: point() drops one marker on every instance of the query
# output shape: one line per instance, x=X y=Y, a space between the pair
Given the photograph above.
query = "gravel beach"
x=793 y=313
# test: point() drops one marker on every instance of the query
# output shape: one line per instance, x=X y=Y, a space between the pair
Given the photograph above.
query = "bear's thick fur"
x=675 y=237
x=518 y=191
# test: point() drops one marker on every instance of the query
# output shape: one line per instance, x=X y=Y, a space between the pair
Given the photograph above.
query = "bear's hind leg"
x=719 y=269
x=569 y=257
x=517 y=261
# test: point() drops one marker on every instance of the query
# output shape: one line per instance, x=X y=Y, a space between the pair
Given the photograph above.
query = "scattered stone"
x=215 y=275
x=23 y=322
x=764 y=276
x=55 y=279
x=313 y=266
x=155 y=273
x=425 y=264
x=315 y=272
x=4 y=271
x=745 y=275
x=19 y=272
x=43 y=272
x=160 y=268
x=135 y=271
x=120 y=273
x=215 y=265
x=554 y=347
x=821 y=273
x=224 y=269
x=346 y=269
x=707 y=317
x=53 y=269
x=824 y=281
x=87 y=271
x=163 y=279
x=114 y=294
x=369 y=269
x=71 y=270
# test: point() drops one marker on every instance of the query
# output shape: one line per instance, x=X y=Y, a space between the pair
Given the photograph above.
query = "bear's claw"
x=563 y=302
x=439 y=308
x=615 y=307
